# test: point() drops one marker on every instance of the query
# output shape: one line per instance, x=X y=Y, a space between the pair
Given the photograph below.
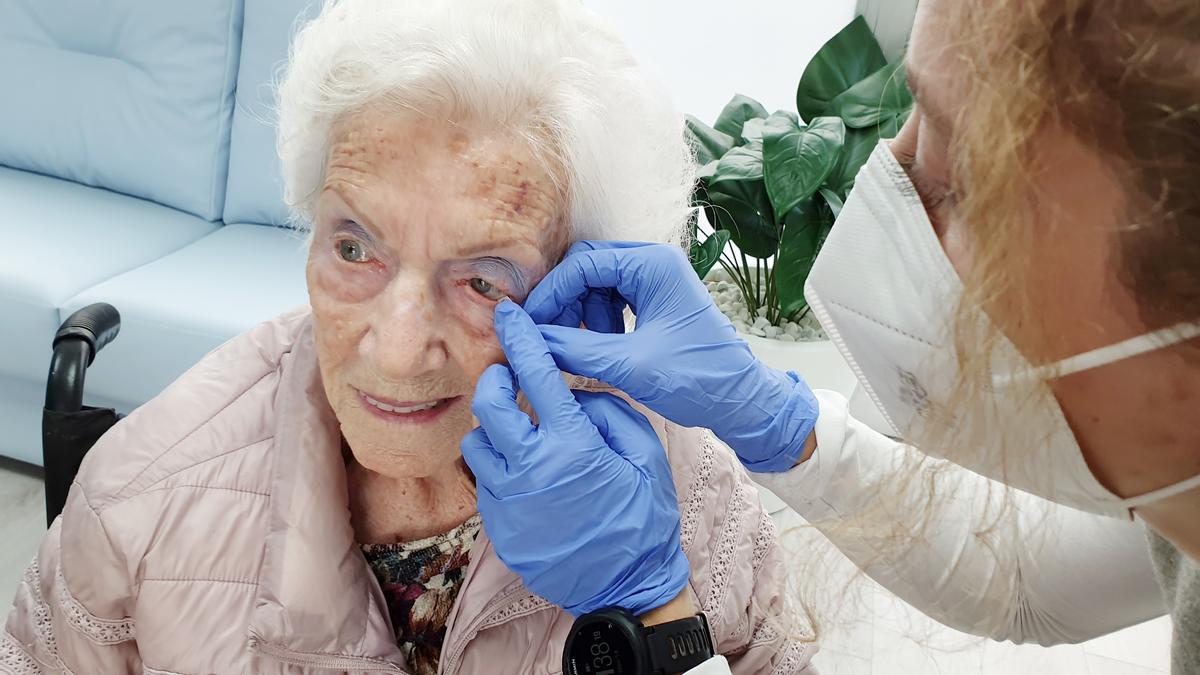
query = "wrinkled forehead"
x=472 y=181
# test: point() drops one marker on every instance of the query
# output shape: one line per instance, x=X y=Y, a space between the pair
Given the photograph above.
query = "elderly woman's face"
x=421 y=229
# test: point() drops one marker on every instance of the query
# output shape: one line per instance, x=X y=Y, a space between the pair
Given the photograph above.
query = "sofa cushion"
x=131 y=95
x=255 y=191
x=177 y=309
x=21 y=403
x=60 y=238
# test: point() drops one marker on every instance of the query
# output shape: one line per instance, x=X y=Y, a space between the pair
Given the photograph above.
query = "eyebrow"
x=360 y=225
x=512 y=268
x=353 y=227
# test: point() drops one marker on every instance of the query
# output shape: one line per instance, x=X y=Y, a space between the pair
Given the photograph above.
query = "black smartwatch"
x=614 y=642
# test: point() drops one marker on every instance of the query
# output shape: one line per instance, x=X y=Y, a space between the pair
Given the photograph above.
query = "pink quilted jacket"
x=209 y=533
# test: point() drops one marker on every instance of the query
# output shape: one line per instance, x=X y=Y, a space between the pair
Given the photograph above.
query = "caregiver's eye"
x=486 y=289
x=935 y=195
x=352 y=250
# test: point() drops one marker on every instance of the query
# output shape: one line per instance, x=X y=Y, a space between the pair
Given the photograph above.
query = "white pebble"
x=729 y=300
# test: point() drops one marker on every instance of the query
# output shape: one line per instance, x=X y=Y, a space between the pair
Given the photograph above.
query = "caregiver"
x=1016 y=282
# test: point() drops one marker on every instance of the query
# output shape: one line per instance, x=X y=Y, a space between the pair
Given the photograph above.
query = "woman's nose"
x=405 y=338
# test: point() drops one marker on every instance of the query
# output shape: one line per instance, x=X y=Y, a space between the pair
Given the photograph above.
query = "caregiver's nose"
x=404 y=338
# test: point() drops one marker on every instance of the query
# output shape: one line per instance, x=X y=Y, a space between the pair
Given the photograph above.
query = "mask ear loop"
x=1134 y=346
x=1162 y=493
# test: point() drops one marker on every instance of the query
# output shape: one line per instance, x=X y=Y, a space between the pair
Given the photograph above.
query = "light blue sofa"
x=137 y=167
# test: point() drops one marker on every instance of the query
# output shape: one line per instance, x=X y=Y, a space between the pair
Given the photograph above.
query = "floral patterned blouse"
x=420 y=581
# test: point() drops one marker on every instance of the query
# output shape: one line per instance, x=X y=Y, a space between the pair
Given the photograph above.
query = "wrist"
x=788 y=438
x=679 y=607
x=810 y=446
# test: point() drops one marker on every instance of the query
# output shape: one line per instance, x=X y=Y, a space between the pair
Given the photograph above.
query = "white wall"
x=705 y=51
x=891 y=20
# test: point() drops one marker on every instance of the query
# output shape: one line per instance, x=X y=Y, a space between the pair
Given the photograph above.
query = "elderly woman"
x=297 y=502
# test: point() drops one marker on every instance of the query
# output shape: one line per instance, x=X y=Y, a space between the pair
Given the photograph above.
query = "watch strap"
x=678 y=646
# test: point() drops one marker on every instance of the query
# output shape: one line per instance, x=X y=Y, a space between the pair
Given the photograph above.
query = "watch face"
x=601 y=648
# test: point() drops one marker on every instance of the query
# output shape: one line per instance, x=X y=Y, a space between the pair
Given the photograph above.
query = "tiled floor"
x=885 y=637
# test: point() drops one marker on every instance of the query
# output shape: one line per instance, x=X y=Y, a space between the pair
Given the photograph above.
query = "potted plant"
x=771 y=184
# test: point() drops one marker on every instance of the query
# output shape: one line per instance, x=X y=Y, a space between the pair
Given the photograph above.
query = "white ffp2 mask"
x=885 y=292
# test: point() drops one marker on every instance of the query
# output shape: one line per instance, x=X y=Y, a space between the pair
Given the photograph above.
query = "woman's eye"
x=486 y=289
x=934 y=195
x=351 y=250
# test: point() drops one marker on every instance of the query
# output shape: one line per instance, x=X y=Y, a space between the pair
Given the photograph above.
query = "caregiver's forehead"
x=487 y=185
x=932 y=64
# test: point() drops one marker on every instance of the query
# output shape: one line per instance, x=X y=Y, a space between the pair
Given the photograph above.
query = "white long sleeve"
x=1070 y=575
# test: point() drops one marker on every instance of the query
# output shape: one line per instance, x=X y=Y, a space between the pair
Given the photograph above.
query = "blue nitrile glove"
x=684 y=359
x=581 y=506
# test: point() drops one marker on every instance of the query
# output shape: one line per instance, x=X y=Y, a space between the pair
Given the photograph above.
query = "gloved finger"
x=536 y=371
x=603 y=356
x=601 y=244
x=571 y=314
x=489 y=466
x=626 y=431
x=603 y=311
x=500 y=416
x=568 y=283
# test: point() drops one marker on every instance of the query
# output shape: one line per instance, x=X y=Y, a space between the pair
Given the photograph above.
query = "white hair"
x=550 y=71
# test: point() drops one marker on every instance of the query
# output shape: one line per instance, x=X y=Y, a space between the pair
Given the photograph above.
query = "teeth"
x=403 y=410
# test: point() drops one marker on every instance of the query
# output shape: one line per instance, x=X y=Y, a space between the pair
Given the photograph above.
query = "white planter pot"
x=819 y=363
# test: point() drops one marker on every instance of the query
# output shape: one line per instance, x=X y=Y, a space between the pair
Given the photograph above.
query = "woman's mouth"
x=406 y=411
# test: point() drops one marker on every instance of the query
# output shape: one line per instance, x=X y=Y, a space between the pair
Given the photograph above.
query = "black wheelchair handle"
x=76 y=343
x=97 y=324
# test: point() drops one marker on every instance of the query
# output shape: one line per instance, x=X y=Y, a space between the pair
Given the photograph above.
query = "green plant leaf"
x=708 y=170
x=741 y=163
x=700 y=199
x=889 y=127
x=708 y=143
x=737 y=112
x=833 y=200
x=788 y=114
x=857 y=149
x=704 y=256
x=797 y=160
x=878 y=98
x=752 y=130
x=841 y=62
x=803 y=231
x=743 y=208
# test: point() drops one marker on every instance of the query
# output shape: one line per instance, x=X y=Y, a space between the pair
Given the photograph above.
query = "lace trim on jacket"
x=725 y=551
x=526 y=605
x=693 y=505
x=98 y=630
x=14 y=659
x=43 y=621
x=793 y=654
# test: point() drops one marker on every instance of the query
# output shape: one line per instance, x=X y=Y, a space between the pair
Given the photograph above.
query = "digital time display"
x=601 y=649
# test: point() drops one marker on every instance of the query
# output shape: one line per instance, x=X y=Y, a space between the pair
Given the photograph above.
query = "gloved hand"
x=581 y=506
x=683 y=360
